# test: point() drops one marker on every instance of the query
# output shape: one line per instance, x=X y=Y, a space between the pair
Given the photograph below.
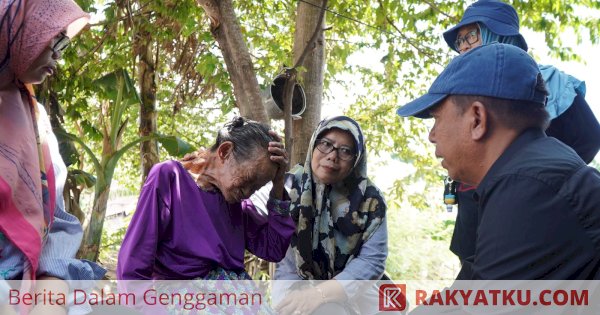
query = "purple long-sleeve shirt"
x=182 y=232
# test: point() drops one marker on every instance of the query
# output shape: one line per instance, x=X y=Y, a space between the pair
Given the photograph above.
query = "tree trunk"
x=226 y=30
x=306 y=19
x=92 y=235
x=148 y=114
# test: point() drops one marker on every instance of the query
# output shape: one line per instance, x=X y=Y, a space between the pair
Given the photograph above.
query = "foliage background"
x=379 y=55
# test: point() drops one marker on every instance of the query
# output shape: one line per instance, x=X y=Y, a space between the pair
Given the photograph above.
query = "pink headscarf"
x=26 y=178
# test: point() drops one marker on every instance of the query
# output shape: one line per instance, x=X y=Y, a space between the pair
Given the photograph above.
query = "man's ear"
x=225 y=150
x=480 y=123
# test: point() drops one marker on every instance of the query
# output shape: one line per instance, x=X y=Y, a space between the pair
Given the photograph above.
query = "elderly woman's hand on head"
x=279 y=156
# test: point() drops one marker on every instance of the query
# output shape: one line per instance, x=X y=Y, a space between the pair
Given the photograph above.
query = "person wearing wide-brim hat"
x=497 y=21
x=498 y=17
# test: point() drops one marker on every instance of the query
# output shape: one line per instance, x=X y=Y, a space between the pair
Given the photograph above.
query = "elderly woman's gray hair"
x=246 y=135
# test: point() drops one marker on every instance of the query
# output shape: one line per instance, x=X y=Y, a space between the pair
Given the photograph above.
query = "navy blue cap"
x=495 y=70
x=499 y=17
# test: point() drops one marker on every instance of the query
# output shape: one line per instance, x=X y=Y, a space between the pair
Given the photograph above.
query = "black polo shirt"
x=538 y=215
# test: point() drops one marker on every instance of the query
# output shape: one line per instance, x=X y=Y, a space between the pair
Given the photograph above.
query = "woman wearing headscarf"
x=572 y=120
x=341 y=231
x=37 y=238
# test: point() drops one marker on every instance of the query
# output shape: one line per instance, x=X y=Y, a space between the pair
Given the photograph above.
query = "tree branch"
x=401 y=34
x=212 y=10
x=436 y=8
x=313 y=38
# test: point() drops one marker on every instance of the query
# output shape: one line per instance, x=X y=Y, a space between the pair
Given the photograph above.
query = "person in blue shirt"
x=538 y=214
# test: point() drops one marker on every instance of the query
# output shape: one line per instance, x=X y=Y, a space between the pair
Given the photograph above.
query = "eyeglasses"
x=326 y=147
x=471 y=38
x=62 y=42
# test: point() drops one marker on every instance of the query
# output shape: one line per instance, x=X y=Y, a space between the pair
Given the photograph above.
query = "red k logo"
x=392 y=297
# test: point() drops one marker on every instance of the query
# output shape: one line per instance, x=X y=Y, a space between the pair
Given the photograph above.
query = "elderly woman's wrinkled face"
x=45 y=64
x=333 y=156
x=240 y=179
x=468 y=38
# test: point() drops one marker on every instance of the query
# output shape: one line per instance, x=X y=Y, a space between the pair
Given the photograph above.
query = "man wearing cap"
x=572 y=120
x=538 y=202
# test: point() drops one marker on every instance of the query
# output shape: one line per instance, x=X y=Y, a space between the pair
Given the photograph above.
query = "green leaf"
x=67 y=149
x=91 y=131
x=83 y=178
x=109 y=83
x=175 y=146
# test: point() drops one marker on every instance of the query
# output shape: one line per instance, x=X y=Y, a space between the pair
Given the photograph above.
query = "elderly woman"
x=573 y=122
x=194 y=221
x=341 y=230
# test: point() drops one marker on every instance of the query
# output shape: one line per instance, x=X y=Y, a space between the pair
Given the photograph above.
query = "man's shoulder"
x=545 y=158
x=544 y=163
x=582 y=186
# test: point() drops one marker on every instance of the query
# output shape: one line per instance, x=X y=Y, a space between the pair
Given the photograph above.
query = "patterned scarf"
x=27 y=192
x=316 y=210
x=27 y=200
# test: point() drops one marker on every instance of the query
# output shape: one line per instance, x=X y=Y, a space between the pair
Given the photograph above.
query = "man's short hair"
x=513 y=114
